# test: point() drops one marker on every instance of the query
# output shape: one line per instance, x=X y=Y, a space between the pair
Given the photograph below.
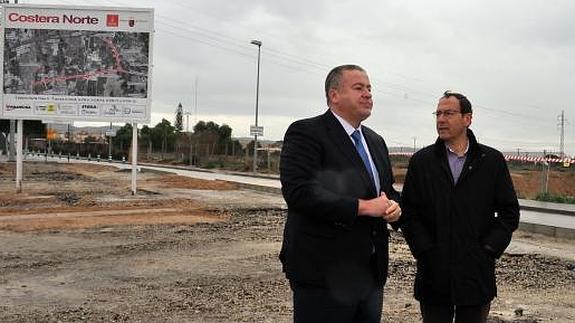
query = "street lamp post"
x=259 y=44
x=110 y=143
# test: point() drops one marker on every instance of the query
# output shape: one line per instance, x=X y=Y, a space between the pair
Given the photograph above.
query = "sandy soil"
x=77 y=246
x=528 y=183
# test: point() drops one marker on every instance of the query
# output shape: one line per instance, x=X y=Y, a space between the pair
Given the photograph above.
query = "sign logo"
x=18 y=107
x=131 y=22
x=112 y=20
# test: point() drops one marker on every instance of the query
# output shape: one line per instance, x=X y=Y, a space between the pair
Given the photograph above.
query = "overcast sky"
x=514 y=59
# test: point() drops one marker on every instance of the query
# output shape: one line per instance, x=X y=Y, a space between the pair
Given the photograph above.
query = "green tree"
x=225 y=133
x=179 y=124
x=31 y=127
x=146 y=134
x=200 y=127
x=212 y=126
x=163 y=135
x=123 y=137
x=215 y=139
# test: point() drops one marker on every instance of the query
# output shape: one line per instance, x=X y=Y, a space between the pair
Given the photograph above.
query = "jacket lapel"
x=474 y=157
x=341 y=140
x=441 y=155
x=472 y=161
x=378 y=156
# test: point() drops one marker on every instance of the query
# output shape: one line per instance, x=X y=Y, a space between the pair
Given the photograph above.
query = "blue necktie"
x=356 y=135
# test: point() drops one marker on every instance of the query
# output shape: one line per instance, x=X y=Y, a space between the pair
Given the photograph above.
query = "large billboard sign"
x=76 y=63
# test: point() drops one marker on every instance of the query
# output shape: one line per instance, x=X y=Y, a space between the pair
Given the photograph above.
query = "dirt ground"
x=77 y=246
x=528 y=183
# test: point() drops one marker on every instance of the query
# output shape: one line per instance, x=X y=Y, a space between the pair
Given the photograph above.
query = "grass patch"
x=555 y=198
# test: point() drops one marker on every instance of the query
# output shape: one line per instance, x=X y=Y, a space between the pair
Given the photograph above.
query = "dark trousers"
x=463 y=314
x=316 y=304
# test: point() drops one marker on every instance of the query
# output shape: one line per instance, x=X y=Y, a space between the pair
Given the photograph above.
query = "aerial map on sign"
x=76 y=63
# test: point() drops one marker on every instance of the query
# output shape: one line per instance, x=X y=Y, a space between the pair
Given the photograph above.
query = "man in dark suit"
x=460 y=213
x=337 y=181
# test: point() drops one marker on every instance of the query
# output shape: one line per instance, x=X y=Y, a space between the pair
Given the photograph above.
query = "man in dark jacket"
x=459 y=212
x=337 y=181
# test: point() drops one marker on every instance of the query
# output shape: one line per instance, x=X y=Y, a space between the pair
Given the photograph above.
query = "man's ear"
x=468 y=118
x=333 y=95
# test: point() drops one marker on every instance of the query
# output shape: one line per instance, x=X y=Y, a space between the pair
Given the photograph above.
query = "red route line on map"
x=118 y=69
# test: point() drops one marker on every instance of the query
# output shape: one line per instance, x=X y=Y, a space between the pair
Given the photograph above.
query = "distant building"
x=244 y=141
x=79 y=134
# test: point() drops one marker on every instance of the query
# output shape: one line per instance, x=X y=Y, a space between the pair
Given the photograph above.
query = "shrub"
x=555 y=198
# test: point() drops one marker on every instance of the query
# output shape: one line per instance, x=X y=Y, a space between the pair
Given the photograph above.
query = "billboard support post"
x=134 y=156
x=20 y=136
x=11 y=137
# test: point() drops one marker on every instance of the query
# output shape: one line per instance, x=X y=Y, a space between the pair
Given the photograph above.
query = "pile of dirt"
x=175 y=181
x=529 y=183
x=75 y=196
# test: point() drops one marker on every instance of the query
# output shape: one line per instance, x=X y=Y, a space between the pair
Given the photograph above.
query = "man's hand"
x=380 y=206
x=393 y=212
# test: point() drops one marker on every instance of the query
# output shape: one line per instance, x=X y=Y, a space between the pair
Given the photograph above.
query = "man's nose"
x=440 y=119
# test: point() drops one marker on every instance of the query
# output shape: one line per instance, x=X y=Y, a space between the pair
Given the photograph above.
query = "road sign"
x=111 y=133
x=259 y=130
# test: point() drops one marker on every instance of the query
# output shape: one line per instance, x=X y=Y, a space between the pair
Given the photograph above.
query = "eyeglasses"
x=447 y=113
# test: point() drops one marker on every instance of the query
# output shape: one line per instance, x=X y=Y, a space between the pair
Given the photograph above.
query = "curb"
x=548 y=230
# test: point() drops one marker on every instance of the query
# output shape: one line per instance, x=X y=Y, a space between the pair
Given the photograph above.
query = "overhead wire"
x=175 y=27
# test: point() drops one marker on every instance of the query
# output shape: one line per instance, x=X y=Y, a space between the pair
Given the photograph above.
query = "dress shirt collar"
x=349 y=129
x=449 y=150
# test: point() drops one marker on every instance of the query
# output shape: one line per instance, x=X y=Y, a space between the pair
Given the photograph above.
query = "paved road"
x=537 y=212
x=550 y=219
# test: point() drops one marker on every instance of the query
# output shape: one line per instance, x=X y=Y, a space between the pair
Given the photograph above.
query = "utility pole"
x=196 y=101
x=189 y=134
x=110 y=143
x=255 y=166
x=561 y=124
x=545 y=167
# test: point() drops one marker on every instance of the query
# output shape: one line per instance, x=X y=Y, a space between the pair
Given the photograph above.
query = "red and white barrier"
x=539 y=159
x=516 y=158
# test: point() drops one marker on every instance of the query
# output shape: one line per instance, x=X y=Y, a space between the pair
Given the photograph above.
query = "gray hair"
x=333 y=79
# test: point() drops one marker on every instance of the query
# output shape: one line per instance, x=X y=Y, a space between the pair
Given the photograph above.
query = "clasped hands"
x=381 y=207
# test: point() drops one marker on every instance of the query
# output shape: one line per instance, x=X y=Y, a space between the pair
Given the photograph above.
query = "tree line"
x=208 y=144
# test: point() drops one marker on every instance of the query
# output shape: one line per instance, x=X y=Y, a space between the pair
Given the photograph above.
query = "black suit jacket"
x=447 y=225
x=325 y=242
